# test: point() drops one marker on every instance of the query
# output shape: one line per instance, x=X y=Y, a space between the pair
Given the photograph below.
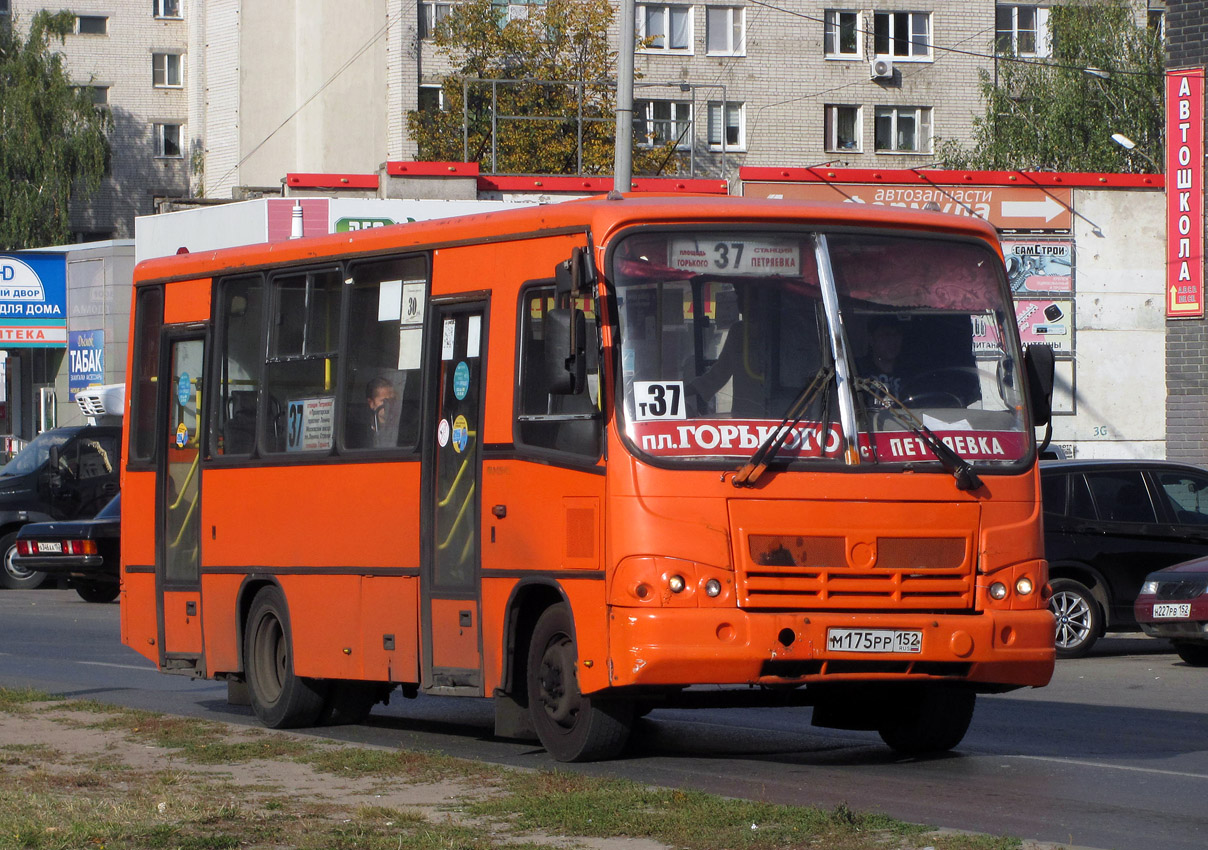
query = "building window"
x=843 y=129
x=1021 y=30
x=726 y=127
x=92 y=25
x=903 y=129
x=903 y=35
x=166 y=8
x=167 y=141
x=99 y=95
x=665 y=28
x=4 y=8
x=724 y=30
x=165 y=70
x=842 y=35
x=514 y=10
x=431 y=98
x=431 y=15
x=1155 y=18
x=657 y=122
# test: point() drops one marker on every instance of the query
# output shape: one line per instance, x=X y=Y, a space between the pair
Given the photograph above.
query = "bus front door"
x=450 y=599
x=178 y=543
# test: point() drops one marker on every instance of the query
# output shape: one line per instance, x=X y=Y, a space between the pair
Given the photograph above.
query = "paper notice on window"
x=413 y=302
x=410 y=346
x=474 y=341
x=390 y=300
x=448 y=339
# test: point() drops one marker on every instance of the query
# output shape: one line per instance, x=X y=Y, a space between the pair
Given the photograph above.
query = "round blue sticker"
x=461 y=380
x=184 y=389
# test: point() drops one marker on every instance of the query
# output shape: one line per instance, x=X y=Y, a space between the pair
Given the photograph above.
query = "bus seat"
x=239 y=434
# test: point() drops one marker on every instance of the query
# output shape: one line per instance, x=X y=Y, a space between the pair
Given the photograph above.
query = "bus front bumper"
x=998 y=650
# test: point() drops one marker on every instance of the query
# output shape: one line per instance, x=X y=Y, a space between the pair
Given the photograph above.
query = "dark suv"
x=1107 y=525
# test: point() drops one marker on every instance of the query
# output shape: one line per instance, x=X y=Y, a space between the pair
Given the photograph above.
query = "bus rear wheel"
x=281 y=699
x=571 y=726
x=927 y=720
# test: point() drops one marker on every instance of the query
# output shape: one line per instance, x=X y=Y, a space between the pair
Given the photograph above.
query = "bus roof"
x=600 y=215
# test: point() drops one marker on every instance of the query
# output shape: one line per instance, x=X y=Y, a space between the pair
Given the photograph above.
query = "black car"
x=62 y=474
x=1107 y=525
x=86 y=552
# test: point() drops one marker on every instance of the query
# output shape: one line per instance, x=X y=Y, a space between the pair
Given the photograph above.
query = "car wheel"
x=281 y=699
x=1078 y=618
x=571 y=726
x=97 y=591
x=1195 y=654
x=12 y=576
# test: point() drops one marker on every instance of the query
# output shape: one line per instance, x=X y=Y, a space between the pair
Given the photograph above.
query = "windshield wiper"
x=750 y=472
x=966 y=478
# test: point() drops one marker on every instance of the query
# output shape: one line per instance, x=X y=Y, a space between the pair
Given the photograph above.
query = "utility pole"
x=622 y=180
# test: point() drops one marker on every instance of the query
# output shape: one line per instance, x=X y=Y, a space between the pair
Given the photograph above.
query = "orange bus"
x=585 y=458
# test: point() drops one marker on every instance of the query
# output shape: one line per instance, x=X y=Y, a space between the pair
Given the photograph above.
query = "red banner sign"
x=1185 y=194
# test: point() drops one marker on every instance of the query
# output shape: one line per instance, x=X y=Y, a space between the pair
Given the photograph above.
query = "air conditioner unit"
x=881 y=68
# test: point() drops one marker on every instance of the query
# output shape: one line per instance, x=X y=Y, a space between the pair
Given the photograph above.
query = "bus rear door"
x=178 y=542
x=452 y=458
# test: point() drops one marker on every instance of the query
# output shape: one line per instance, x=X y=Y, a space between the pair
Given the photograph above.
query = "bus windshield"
x=852 y=339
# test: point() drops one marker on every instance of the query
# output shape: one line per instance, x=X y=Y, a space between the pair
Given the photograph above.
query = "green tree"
x=558 y=95
x=53 y=140
x=1059 y=113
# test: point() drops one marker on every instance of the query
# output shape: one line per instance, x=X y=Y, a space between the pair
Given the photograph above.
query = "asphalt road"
x=1113 y=754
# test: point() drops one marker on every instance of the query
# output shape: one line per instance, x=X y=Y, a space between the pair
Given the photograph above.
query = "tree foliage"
x=558 y=98
x=1058 y=114
x=53 y=140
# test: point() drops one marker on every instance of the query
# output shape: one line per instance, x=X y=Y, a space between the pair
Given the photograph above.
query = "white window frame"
x=730 y=20
x=644 y=11
x=832 y=28
x=645 y=122
x=830 y=128
x=168 y=60
x=924 y=132
x=79 y=18
x=916 y=51
x=160 y=136
x=735 y=116
x=440 y=95
x=1041 y=34
x=433 y=13
x=161 y=9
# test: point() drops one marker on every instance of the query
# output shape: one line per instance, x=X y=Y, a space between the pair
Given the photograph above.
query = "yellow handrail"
x=184 y=487
x=457 y=521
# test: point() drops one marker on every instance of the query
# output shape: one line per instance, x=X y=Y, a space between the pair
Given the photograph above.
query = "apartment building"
x=223 y=97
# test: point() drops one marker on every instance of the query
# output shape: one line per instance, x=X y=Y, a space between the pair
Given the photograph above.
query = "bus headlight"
x=676 y=583
x=998 y=590
x=712 y=587
x=1024 y=586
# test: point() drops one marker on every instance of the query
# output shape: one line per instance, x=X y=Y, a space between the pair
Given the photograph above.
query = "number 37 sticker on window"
x=658 y=400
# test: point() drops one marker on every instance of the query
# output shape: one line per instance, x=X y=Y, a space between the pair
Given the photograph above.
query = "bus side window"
x=148 y=322
x=565 y=423
x=302 y=360
x=239 y=360
x=382 y=378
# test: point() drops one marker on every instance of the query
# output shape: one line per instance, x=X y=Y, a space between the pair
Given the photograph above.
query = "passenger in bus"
x=381 y=399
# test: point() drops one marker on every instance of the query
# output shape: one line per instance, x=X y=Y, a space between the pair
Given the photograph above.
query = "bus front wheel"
x=571 y=726
x=281 y=699
x=928 y=720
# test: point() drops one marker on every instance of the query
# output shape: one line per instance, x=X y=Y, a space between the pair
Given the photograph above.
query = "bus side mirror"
x=566 y=351
x=1038 y=362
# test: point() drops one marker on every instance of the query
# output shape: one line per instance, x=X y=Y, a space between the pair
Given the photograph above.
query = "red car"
x=1174 y=604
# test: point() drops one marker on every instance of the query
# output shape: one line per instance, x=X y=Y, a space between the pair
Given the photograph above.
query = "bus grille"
x=900 y=573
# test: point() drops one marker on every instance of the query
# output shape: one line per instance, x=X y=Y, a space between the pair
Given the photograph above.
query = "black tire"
x=281 y=699
x=97 y=591
x=571 y=726
x=12 y=576
x=1195 y=654
x=1079 y=620
x=928 y=719
x=349 y=703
